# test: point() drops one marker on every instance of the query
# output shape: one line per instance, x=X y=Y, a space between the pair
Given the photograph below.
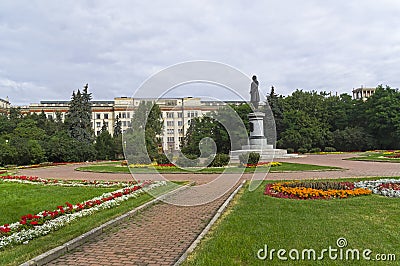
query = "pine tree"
x=78 y=124
x=78 y=118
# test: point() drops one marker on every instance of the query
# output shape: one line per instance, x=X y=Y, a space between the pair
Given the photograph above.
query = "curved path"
x=351 y=169
x=160 y=234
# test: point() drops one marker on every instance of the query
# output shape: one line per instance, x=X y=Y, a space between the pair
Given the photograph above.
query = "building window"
x=180 y=130
x=170 y=139
x=180 y=123
x=123 y=115
x=98 y=116
x=128 y=115
x=170 y=123
x=49 y=116
x=180 y=139
x=195 y=114
x=98 y=132
x=106 y=124
x=170 y=131
x=170 y=114
x=98 y=124
x=124 y=123
x=105 y=116
x=180 y=115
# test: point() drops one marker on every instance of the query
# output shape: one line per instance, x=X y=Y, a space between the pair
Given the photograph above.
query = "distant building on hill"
x=4 y=106
x=363 y=93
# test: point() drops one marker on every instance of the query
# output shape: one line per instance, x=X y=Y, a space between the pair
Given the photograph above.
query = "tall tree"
x=275 y=102
x=78 y=123
x=78 y=118
x=146 y=130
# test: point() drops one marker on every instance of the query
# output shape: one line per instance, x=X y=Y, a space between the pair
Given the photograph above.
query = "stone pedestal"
x=258 y=142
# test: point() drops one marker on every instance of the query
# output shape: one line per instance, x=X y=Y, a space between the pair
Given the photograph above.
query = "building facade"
x=177 y=114
x=363 y=93
x=4 y=106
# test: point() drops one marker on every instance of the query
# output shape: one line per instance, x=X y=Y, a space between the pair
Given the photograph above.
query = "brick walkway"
x=161 y=233
x=157 y=236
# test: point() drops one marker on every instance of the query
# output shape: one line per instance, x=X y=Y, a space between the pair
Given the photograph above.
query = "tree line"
x=311 y=121
x=34 y=138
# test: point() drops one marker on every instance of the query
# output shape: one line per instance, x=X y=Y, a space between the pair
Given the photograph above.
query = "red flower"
x=34 y=222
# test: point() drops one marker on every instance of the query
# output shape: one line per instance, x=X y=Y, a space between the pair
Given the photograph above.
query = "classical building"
x=177 y=114
x=4 y=106
x=363 y=93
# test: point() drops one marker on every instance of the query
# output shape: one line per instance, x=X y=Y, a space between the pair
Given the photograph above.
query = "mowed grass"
x=20 y=199
x=255 y=220
x=21 y=253
x=374 y=157
x=116 y=168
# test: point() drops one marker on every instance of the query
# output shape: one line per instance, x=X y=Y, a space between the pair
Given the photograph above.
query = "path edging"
x=208 y=227
x=80 y=240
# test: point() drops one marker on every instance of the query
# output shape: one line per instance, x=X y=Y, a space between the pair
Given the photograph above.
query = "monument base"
x=258 y=142
x=265 y=154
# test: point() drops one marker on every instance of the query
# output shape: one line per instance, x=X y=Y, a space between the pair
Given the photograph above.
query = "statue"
x=254 y=95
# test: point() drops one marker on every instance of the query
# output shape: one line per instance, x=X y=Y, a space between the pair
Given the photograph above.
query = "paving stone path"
x=157 y=236
x=161 y=233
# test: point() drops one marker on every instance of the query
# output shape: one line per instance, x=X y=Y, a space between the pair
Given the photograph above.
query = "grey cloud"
x=116 y=45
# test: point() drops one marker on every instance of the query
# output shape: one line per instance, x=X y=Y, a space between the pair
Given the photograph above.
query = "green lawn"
x=21 y=197
x=255 y=220
x=116 y=168
x=373 y=156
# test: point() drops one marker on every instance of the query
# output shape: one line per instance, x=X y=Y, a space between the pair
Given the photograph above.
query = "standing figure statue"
x=254 y=95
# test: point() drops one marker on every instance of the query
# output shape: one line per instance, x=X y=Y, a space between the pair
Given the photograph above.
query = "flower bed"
x=67 y=183
x=263 y=164
x=314 y=190
x=385 y=187
x=166 y=165
x=31 y=226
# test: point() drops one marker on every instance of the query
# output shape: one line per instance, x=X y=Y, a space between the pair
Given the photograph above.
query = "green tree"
x=275 y=102
x=78 y=124
x=382 y=116
x=352 y=139
x=105 y=145
x=143 y=138
x=78 y=118
x=227 y=127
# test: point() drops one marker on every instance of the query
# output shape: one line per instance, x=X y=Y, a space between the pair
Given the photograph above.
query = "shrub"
x=190 y=160
x=162 y=159
x=315 y=150
x=302 y=150
x=220 y=160
x=329 y=149
x=290 y=150
x=249 y=158
x=139 y=159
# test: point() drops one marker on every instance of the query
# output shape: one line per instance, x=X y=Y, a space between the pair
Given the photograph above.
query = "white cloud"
x=115 y=45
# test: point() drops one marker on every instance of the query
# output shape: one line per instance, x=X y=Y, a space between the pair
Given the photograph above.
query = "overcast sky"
x=50 y=48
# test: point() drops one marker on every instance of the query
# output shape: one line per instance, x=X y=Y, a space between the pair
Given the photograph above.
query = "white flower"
x=51 y=225
x=374 y=186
